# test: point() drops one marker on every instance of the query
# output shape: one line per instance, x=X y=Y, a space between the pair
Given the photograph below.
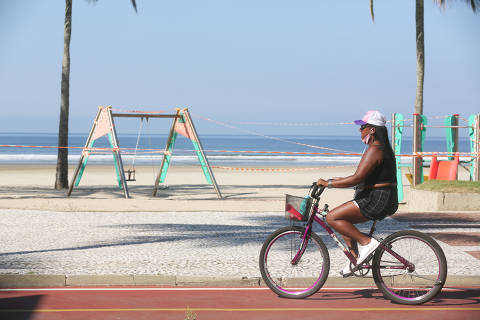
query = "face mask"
x=367 y=138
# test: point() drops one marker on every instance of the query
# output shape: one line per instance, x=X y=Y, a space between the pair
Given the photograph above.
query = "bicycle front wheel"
x=417 y=284
x=290 y=270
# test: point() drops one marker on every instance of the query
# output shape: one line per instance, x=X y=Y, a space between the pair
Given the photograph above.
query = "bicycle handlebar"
x=316 y=191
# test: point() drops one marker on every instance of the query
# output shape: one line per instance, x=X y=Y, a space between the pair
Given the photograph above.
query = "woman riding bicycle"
x=376 y=192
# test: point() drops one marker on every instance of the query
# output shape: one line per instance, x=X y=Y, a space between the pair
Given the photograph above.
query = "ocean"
x=214 y=146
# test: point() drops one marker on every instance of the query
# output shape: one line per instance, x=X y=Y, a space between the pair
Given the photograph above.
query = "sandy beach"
x=186 y=189
x=31 y=187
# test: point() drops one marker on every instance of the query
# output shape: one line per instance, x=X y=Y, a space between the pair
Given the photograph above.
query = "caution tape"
x=286 y=152
x=290 y=124
x=87 y=149
x=268 y=137
x=162 y=151
x=273 y=169
x=46 y=147
x=432 y=153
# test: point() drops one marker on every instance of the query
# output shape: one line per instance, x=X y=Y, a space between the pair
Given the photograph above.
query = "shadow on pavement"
x=460 y=297
x=463 y=297
x=346 y=295
x=23 y=307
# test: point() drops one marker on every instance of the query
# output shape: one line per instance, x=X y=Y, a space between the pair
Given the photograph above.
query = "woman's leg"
x=352 y=246
x=343 y=218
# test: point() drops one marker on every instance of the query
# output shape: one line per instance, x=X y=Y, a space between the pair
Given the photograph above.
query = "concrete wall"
x=429 y=201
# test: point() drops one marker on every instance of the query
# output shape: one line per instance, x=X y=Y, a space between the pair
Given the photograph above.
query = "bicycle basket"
x=297 y=208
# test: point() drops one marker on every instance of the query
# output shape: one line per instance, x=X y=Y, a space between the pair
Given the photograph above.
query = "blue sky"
x=263 y=60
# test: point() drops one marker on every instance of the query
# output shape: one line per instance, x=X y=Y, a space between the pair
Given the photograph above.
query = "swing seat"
x=444 y=170
x=130 y=175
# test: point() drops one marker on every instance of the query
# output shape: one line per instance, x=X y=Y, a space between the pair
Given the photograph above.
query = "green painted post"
x=449 y=121
x=84 y=164
x=398 y=124
x=423 y=130
x=452 y=135
x=200 y=157
x=397 y=131
x=202 y=162
x=471 y=135
x=167 y=158
x=115 y=162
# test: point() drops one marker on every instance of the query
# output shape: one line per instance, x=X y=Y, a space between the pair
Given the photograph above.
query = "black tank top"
x=386 y=171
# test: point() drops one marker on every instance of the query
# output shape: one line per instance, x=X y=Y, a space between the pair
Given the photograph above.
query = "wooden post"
x=118 y=155
x=166 y=156
x=476 y=159
x=209 y=172
x=451 y=131
x=455 y=137
x=87 y=145
x=455 y=132
x=394 y=126
x=113 y=139
x=417 y=160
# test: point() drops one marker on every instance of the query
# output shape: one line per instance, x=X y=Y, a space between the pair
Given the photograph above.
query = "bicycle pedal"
x=360 y=273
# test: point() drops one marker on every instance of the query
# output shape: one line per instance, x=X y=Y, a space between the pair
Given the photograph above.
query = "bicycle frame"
x=323 y=213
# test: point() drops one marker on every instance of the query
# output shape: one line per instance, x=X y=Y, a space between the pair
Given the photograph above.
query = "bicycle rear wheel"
x=419 y=284
x=286 y=277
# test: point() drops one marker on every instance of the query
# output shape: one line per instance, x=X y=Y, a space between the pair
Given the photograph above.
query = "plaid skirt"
x=378 y=203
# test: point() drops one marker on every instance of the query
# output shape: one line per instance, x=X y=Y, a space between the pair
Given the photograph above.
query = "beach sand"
x=31 y=187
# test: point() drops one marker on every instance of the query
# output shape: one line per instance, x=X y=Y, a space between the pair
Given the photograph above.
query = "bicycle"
x=409 y=267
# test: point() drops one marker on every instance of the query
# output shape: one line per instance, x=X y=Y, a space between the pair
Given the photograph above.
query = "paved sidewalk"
x=41 y=248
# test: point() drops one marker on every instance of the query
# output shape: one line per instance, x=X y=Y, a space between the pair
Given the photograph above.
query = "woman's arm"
x=370 y=159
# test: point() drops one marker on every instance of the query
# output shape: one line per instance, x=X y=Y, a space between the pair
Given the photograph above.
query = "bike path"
x=231 y=303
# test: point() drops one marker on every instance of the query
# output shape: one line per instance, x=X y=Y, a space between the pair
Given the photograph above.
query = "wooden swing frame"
x=104 y=125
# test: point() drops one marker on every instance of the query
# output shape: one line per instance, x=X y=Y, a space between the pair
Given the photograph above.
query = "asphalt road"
x=226 y=303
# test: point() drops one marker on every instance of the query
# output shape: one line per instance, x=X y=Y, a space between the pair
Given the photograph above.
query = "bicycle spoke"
x=422 y=279
x=291 y=266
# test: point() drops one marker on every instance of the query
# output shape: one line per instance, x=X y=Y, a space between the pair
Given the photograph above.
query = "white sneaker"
x=366 y=250
x=346 y=271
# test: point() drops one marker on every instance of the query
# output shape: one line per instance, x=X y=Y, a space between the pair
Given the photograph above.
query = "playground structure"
x=420 y=125
x=182 y=124
x=104 y=125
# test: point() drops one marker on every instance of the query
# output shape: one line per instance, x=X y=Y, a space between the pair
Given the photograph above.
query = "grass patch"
x=450 y=186
x=190 y=315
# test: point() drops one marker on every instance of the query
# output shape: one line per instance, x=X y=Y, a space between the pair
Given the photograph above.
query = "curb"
x=23 y=281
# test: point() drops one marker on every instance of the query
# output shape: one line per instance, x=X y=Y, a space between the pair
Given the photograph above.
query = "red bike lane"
x=226 y=303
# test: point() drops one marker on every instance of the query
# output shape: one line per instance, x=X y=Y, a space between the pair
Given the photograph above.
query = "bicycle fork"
x=303 y=246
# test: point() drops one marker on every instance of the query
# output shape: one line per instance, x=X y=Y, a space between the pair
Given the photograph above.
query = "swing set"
x=104 y=125
x=130 y=172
